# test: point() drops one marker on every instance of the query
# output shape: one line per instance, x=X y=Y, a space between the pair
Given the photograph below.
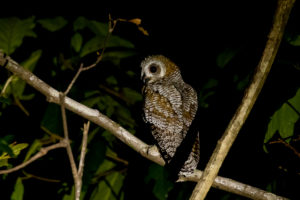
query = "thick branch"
x=98 y=118
x=212 y=168
x=235 y=187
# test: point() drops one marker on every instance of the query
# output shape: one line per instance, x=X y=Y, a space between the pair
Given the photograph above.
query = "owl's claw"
x=151 y=149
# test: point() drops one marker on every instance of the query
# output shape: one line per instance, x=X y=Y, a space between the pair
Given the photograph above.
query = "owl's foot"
x=152 y=149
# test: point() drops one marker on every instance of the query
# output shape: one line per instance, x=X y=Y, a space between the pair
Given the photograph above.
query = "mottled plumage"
x=170 y=106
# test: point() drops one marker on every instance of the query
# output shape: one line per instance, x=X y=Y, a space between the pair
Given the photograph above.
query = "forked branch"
x=282 y=13
x=98 y=118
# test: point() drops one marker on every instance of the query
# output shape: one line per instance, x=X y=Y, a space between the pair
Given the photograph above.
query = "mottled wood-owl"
x=170 y=106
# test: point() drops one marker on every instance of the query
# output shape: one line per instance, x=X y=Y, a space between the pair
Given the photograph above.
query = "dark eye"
x=153 y=69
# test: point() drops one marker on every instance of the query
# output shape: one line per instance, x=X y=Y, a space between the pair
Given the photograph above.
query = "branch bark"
x=93 y=115
x=284 y=8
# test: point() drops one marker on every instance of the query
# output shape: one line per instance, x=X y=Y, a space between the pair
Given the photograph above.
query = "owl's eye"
x=153 y=69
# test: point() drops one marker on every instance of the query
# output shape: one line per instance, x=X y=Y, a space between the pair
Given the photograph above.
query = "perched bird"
x=170 y=105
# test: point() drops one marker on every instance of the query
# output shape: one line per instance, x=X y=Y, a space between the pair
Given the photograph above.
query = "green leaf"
x=4 y=163
x=31 y=62
x=131 y=95
x=18 y=190
x=108 y=105
x=162 y=185
x=88 y=94
x=116 y=56
x=91 y=102
x=109 y=137
x=111 y=80
x=17 y=148
x=211 y=83
x=124 y=117
x=97 y=43
x=17 y=85
x=70 y=196
x=80 y=23
x=241 y=85
x=226 y=56
x=76 y=42
x=94 y=158
x=284 y=119
x=295 y=41
x=12 y=32
x=53 y=24
x=14 y=150
x=106 y=189
x=92 y=45
x=34 y=147
x=5 y=100
x=5 y=148
x=96 y=27
x=116 y=41
x=295 y=101
x=206 y=91
x=52 y=119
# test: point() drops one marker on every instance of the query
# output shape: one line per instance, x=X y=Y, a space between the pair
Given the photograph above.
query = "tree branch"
x=290 y=147
x=41 y=153
x=212 y=168
x=66 y=135
x=93 y=115
x=86 y=128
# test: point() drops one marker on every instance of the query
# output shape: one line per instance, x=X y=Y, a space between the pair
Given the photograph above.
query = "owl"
x=170 y=105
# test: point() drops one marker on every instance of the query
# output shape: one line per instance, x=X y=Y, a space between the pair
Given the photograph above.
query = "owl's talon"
x=151 y=149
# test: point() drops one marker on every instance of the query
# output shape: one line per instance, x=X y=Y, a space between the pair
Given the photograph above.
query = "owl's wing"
x=189 y=106
x=163 y=112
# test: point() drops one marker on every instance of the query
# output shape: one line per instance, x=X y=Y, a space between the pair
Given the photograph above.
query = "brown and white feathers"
x=170 y=106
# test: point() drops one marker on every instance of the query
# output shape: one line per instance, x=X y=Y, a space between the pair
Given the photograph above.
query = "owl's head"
x=158 y=67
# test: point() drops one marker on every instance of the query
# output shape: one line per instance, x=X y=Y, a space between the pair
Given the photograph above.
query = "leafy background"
x=217 y=50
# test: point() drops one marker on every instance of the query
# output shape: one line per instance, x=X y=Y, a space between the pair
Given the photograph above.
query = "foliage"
x=13 y=31
x=18 y=190
x=284 y=119
x=86 y=37
x=53 y=48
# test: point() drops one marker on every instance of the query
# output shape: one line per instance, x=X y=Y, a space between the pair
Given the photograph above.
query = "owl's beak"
x=144 y=79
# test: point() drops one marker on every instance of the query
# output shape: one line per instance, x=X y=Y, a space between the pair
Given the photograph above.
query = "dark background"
x=193 y=35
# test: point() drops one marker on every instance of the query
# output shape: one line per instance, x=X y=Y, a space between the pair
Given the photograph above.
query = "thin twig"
x=77 y=173
x=52 y=135
x=280 y=141
x=78 y=182
x=77 y=179
x=86 y=128
x=224 y=144
x=111 y=26
x=6 y=85
x=116 y=158
x=74 y=79
x=66 y=135
x=29 y=175
x=20 y=105
x=43 y=151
